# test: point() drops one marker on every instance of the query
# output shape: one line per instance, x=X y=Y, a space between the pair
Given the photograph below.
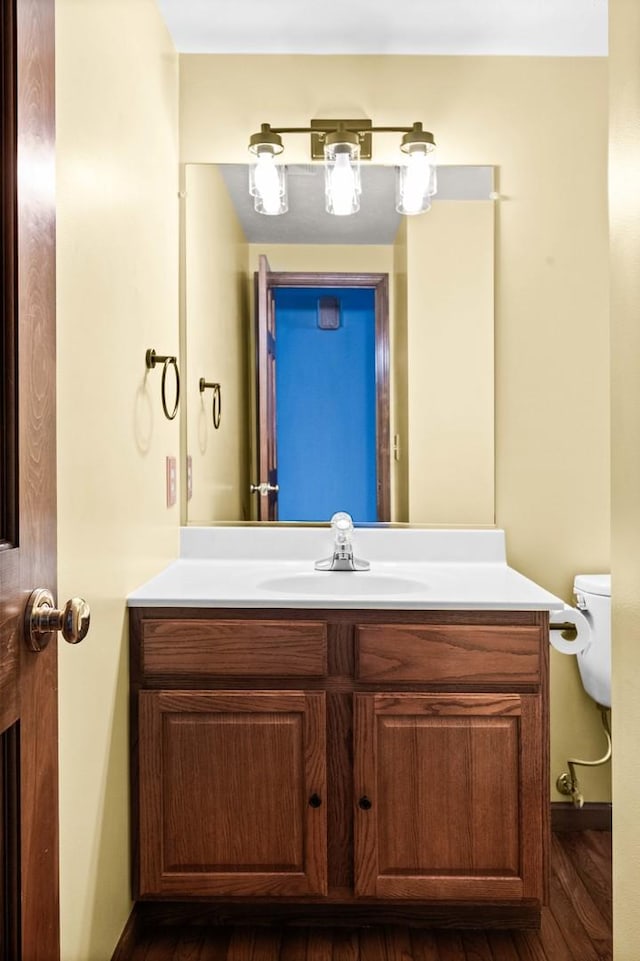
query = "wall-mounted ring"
x=151 y=359
x=216 y=409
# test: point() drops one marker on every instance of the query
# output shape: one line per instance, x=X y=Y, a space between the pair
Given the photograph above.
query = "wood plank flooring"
x=575 y=927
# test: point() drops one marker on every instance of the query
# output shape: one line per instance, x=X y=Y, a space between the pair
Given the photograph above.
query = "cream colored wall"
x=527 y=116
x=624 y=196
x=218 y=330
x=450 y=349
x=324 y=258
x=117 y=131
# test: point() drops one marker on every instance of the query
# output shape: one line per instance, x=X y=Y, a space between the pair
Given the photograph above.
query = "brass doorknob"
x=264 y=489
x=41 y=619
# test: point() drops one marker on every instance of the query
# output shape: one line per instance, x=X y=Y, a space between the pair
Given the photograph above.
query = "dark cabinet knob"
x=364 y=803
x=315 y=801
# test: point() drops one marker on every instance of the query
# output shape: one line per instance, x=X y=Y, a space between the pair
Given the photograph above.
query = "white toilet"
x=593 y=598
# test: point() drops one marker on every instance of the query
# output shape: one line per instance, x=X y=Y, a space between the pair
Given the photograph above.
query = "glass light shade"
x=268 y=183
x=342 y=179
x=416 y=182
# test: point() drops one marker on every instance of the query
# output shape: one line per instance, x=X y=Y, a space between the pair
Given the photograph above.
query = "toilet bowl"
x=593 y=598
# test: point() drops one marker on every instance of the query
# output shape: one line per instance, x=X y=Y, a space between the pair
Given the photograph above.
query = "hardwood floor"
x=575 y=927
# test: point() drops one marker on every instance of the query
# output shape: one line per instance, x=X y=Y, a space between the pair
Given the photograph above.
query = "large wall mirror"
x=353 y=356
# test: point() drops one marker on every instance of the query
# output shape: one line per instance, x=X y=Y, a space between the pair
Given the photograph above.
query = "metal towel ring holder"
x=151 y=359
x=216 y=407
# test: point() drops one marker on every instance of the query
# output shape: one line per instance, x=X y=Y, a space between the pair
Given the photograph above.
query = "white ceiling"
x=556 y=28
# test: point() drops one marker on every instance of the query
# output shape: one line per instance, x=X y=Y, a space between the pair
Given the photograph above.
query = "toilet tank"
x=593 y=597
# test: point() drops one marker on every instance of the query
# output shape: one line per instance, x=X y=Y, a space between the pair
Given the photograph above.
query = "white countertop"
x=411 y=569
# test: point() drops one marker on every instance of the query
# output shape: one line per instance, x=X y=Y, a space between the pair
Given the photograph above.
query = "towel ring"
x=216 y=407
x=151 y=359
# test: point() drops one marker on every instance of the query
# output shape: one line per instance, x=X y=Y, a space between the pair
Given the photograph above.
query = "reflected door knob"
x=264 y=489
x=42 y=618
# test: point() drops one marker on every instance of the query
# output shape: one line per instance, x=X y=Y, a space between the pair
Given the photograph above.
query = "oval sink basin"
x=342 y=584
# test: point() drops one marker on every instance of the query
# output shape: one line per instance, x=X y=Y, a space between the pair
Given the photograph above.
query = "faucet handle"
x=342 y=524
x=343 y=559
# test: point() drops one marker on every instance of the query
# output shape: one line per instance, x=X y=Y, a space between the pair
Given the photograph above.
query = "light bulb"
x=342 y=180
x=267 y=184
x=416 y=184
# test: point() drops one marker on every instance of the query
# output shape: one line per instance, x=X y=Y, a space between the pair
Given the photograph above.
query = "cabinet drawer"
x=448 y=654
x=234 y=648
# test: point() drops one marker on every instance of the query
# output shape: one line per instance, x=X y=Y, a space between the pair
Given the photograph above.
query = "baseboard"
x=594 y=816
x=127 y=941
x=153 y=915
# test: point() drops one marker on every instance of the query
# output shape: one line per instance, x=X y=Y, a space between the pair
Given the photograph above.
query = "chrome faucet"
x=342 y=559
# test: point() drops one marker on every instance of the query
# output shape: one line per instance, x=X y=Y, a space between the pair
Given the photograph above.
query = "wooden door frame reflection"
x=379 y=283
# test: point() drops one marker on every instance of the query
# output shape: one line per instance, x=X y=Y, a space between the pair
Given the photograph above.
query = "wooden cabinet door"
x=232 y=793
x=448 y=798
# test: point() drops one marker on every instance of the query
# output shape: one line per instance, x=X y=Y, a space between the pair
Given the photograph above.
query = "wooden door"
x=29 y=926
x=267 y=482
x=232 y=793
x=447 y=796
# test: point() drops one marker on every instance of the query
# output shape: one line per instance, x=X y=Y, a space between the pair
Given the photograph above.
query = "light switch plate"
x=172 y=481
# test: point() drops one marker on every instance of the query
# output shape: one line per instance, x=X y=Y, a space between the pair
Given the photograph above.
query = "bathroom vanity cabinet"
x=347 y=765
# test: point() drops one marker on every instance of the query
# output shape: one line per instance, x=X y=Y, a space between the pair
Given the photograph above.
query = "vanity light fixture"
x=342 y=144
